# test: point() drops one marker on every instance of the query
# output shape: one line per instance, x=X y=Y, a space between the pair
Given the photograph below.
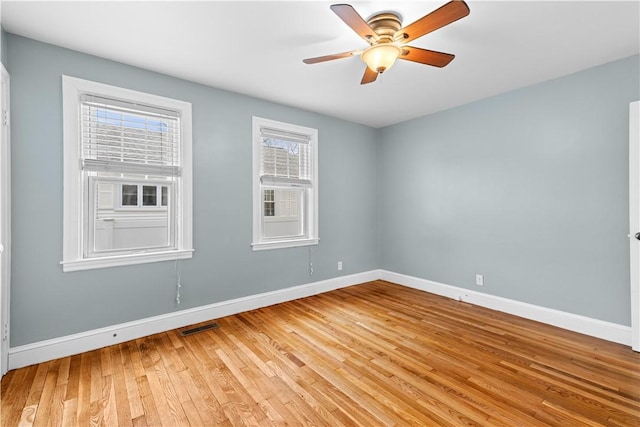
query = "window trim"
x=73 y=205
x=310 y=215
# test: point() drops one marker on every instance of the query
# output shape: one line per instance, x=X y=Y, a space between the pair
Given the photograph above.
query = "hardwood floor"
x=372 y=354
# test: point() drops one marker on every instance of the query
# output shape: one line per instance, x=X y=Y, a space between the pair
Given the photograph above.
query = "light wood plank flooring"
x=373 y=354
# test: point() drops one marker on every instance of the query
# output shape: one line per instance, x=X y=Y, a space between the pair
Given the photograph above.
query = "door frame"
x=5 y=219
x=634 y=220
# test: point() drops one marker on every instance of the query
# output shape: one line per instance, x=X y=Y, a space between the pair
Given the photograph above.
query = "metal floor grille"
x=187 y=332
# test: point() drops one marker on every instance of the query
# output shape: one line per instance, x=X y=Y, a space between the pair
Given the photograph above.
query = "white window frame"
x=74 y=197
x=310 y=214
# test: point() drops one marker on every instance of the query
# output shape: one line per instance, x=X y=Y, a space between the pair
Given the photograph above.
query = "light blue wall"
x=529 y=188
x=47 y=303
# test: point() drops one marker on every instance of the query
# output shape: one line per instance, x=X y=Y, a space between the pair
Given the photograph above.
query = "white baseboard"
x=43 y=351
x=585 y=325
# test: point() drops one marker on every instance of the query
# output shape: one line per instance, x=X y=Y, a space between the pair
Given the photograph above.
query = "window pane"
x=130 y=229
x=105 y=196
x=285 y=159
x=165 y=196
x=269 y=203
x=287 y=218
x=288 y=203
x=129 y=195
x=114 y=136
x=149 y=195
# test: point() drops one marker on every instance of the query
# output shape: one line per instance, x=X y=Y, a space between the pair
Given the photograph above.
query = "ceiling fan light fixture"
x=381 y=57
x=388 y=39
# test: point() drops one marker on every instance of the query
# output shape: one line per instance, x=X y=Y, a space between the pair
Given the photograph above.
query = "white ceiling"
x=256 y=48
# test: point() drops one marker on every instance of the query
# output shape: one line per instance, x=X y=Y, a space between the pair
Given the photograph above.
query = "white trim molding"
x=634 y=220
x=43 y=351
x=129 y=259
x=5 y=218
x=585 y=325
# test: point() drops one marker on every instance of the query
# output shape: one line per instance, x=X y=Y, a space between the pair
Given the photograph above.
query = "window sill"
x=120 y=260
x=261 y=246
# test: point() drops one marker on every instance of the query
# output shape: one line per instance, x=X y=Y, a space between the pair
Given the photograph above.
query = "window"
x=129 y=195
x=285 y=185
x=150 y=199
x=269 y=203
x=127 y=177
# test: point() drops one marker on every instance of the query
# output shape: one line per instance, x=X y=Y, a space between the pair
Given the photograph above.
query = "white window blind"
x=123 y=137
x=285 y=158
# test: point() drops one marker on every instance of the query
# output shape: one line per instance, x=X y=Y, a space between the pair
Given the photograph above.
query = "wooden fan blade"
x=330 y=57
x=350 y=17
x=369 y=76
x=440 y=17
x=424 y=56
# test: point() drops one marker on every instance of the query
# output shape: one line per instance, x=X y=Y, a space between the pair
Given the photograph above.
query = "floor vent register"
x=187 y=332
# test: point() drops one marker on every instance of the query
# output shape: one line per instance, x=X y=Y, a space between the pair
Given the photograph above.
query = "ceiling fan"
x=388 y=40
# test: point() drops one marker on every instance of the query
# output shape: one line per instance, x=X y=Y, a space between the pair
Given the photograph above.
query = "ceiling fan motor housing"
x=384 y=48
x=385 y=25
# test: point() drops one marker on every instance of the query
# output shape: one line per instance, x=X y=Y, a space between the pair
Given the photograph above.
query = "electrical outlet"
x=479 y=280
x=339 y=265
